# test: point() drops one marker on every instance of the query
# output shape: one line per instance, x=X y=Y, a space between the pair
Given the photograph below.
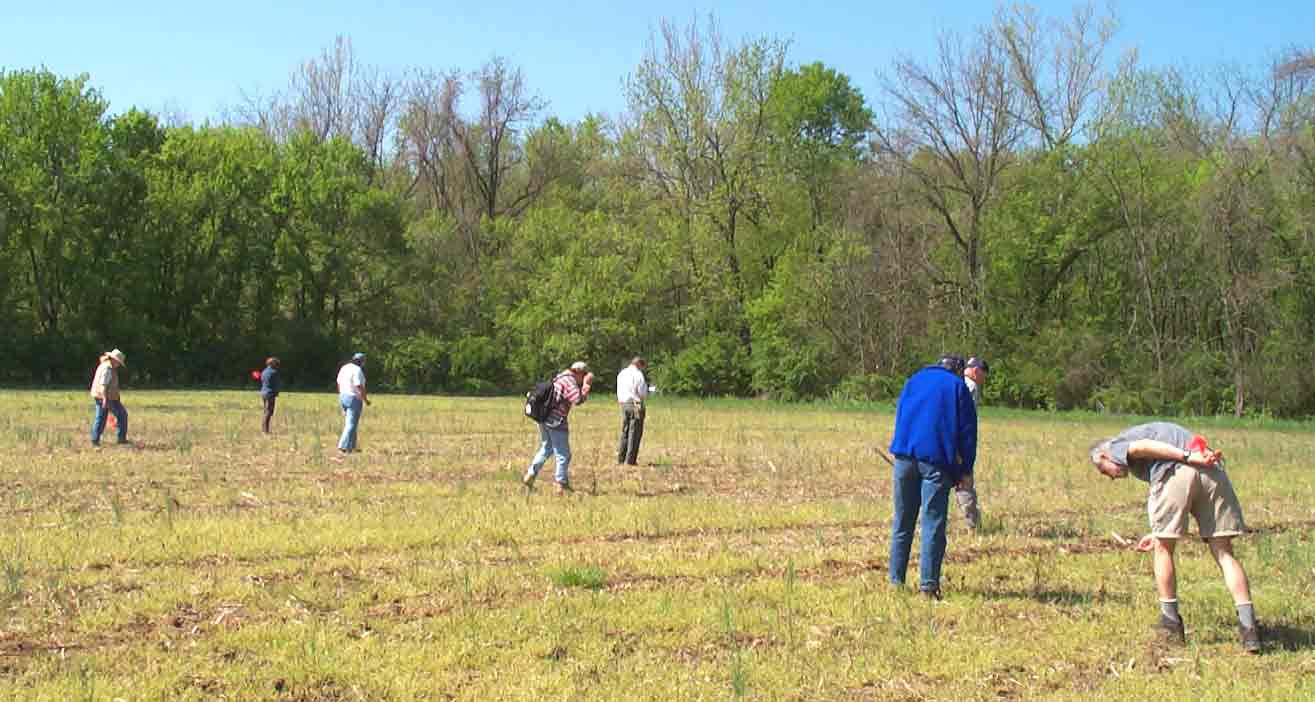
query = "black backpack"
x=539 y=400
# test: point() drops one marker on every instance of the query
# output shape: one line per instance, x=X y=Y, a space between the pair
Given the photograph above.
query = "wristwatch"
x=1186 y=455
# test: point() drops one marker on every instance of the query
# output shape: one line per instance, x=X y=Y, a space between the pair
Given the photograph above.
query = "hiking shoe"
x=565 y=489
x=1169 y=631
x=1250 y=638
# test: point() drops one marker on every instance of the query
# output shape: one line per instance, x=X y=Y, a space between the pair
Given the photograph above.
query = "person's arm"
x=586 y=387
x=1152 y=450
x=360 y=388
x=967 y=435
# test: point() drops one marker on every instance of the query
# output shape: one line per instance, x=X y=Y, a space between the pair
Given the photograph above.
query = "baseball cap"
x=951 y=362
x=358 y=356
x=580 y=366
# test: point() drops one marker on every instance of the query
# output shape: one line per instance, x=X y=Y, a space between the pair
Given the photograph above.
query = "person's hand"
x=1146 y=543
x=966 y=482
x=589 y=378
x=367 y=401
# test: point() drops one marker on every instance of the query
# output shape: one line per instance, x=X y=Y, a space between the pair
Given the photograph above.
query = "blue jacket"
x=936 y=421
x=269 y=382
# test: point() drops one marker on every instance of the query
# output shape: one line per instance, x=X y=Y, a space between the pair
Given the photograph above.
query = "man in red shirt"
x=570 y=388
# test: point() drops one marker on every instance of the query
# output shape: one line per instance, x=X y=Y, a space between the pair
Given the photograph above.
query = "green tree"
x=53 y=163
x=821 y=124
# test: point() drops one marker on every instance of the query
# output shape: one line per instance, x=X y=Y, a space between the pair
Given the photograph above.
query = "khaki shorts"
x=1204 y=493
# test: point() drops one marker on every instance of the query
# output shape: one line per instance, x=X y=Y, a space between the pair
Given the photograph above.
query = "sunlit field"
x=745 y=558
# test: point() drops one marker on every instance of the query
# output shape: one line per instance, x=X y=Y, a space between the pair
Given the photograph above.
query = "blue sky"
x=196 y=59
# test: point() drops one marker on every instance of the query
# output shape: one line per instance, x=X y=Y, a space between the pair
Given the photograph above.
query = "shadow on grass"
x=1288 y=638
x=1052 y=596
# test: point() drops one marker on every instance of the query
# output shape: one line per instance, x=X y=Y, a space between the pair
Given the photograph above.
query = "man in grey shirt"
x=974 y=376
x=1186 y=478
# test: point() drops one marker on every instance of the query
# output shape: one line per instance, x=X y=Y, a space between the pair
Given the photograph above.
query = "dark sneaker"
x=565 y=489
x=1250 y=638
x=932 y=594
x=1169 y=631
x=528 y=482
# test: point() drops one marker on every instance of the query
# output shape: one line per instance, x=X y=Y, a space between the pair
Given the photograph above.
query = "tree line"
x=1111 y=236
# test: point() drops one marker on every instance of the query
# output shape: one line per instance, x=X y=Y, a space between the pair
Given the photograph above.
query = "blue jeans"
x=352 y=408
x=558 y=442
x=103 y=408
x=925 y=486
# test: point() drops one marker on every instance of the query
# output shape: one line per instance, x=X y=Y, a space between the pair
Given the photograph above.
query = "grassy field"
x=744 y=559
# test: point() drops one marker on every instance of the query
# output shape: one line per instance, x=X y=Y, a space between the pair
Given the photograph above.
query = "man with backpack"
x=570 y=387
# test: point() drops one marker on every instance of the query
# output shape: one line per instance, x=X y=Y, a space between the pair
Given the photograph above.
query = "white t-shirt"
x=630 y=385
x=350 y=377
x=973 y=390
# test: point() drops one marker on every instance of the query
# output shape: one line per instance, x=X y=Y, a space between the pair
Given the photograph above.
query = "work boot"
x=1250 y=638
x=1170 y=631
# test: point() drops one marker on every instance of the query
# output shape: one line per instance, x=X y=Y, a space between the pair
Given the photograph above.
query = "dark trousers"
x=269 y=401
x=632 y=432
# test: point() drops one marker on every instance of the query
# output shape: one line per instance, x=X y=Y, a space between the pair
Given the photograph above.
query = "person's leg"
x=935 y=497
x=98 y=421
x=967 y=499
x=905 y=489
x=269 y=413
x=561 y=446
x=624 y=446
x=1235 y=578
x=636 y=435
x=358 y=409
x=541 y=457
x=347 y=442
x=1166 y=579
x=120 y=418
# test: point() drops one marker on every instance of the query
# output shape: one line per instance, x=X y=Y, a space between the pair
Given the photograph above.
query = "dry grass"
x=744 y=558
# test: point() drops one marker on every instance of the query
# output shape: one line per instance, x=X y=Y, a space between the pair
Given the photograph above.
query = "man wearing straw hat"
x=105 y=394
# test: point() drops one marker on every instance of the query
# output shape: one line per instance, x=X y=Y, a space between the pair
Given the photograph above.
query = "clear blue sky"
x=196 y=59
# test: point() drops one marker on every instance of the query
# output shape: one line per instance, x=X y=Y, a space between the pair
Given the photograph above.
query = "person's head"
x=358 y=358
x=272 y=362
x=952 y=362
x=639 y=363
x=1100 y=457
x=579 y=369
x=976 y=369
x=116 y=358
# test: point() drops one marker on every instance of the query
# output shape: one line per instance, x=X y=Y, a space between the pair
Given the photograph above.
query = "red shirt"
x=568 y=394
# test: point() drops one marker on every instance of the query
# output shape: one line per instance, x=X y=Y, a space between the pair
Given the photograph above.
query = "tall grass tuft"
x=14 y=566
x=584 y=577
x=739 y=676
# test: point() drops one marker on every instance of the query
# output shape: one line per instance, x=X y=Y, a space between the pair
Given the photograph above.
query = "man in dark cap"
x=935 y=446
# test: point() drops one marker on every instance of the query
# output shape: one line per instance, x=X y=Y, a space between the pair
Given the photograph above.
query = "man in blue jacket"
x=935 y=446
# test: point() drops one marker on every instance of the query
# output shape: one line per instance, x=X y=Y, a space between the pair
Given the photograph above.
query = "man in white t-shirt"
x=631 y=393
x=352 y=397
